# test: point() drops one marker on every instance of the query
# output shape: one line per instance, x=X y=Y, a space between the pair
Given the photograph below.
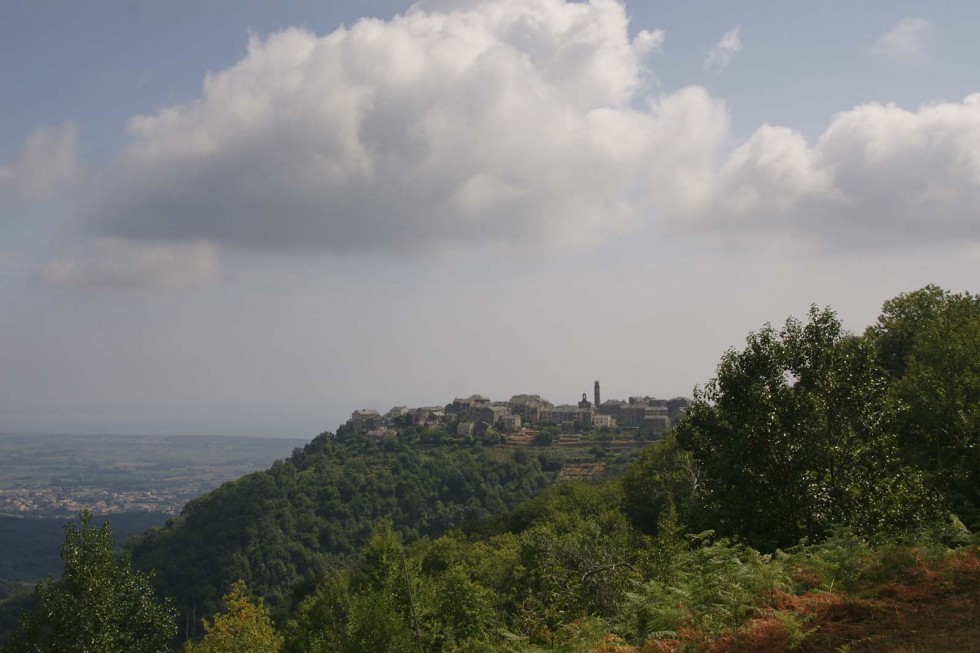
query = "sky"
x=253 y=218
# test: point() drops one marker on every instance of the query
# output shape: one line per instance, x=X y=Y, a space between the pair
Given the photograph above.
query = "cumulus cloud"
x=506 y=120
x=512 y=121
x=48 y=160
x=720 y=56
x=905 y=41
x=878 y=174
x=647 y=41
x=114 y=263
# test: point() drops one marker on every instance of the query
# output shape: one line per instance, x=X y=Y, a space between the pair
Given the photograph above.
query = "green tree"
x=242 y=627
x=793 y=436
x=665 y=476
x=99 y=605
x=929 y=343
x=546 y=435
x=319 y=623
x=383 y=615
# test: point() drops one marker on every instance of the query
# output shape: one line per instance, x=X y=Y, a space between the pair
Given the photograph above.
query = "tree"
x=793 y=436
x=242 y=627
x=546 y=436
x=664 y=478
x=99 y=605
x=929 y=343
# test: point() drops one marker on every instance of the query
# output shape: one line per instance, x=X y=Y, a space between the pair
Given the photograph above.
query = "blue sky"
x=240 y=217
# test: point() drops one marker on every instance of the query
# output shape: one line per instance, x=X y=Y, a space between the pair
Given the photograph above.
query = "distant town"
x=55 y=501
x=477 y=416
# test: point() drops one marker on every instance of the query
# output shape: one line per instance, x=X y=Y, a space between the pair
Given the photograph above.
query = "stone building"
x=567 y=414
x=510 y=423
x=528 y=407
x=364 y=420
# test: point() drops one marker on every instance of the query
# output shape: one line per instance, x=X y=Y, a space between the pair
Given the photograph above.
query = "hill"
x=311 y=513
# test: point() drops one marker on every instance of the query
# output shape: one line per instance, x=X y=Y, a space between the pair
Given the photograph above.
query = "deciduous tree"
x=929 y=342
x=99 y=605
x=794 y=436
x=242 y=627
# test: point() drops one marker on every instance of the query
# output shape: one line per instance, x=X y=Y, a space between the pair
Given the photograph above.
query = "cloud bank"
x=879 y=175
x=523 y=122
x=48 y=160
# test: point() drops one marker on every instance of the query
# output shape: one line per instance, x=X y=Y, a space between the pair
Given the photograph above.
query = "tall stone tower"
x=596 y=394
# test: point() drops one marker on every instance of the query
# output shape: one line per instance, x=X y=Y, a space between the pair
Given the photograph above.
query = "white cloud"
x=114 y=263
x=48 y=160
x=878 y=175
x=720 y=56
x=521 y=122
x=507 y=121
x=905 y=41
x=647 y=41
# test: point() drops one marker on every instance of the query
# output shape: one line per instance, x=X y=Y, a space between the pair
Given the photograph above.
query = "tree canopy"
x=795 y=435
x=242 y=627
x=929 y=344
x=99 y=605
x=309 y=515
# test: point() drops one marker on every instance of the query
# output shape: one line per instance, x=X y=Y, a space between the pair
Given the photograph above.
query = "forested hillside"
x=306 y=516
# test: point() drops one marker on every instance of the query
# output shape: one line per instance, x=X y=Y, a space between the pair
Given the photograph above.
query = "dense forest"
x=310 y=514
x=821 y=494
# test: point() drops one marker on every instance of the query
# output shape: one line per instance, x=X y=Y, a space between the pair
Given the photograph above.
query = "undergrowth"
x=842 y=594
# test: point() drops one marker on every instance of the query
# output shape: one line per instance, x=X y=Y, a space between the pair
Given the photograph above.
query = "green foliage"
x=546 y=436
x=570 y=557
x=99 y=605
x=319 y=623
x=905 y=320
x=665 y=477
x=367 y=610
x=29 y=548
x=310 y=515
x=795 y=627
x=793 y=436
x=455 y=610
x=242 y=627
x=846 y=562
x=929 y=342
x=660 y=559
x=838 y=562
x=713 y=587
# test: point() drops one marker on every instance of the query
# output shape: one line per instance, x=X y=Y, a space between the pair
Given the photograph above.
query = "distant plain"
x=134 y=482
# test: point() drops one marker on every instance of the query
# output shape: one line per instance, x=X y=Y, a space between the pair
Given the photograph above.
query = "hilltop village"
x=477 y=416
